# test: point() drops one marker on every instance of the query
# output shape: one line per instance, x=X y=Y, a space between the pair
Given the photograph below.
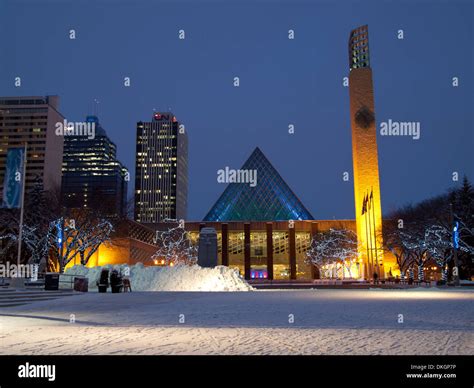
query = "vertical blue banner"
x=456 y=235
x=12 y=184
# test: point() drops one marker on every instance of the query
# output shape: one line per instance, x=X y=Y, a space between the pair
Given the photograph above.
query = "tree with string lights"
x=333 y=248
x=175 y=246
x=71 y=238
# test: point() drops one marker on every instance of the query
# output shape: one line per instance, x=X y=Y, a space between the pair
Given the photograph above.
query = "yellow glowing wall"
x=118 y=252
x=366 y=175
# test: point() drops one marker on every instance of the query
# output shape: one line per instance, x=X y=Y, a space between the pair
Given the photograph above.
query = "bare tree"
x=456 y=205
x=333 y=247
x=92 y=236
x=77 y=236
x=440 y=246
x=175 y=246
x=396 y=241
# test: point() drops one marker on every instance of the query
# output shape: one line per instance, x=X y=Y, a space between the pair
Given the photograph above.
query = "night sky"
x=282 y=82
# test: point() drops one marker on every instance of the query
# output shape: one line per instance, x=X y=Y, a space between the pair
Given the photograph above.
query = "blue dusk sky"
x=282 y=82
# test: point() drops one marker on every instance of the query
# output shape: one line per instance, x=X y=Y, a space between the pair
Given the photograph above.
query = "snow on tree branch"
x=175 y=246
x=333 y=247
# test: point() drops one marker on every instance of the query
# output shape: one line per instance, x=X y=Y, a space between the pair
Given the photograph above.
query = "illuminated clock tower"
x=365 y=157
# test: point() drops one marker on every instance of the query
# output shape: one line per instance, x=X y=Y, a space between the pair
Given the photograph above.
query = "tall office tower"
x=364 y=156
x=161 y=169
x=32 y=121
x=92 y=176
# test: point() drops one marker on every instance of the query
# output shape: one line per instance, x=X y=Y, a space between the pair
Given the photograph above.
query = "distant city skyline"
x=283 y=82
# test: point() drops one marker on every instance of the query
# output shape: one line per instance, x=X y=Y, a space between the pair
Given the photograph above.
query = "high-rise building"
x=32 y=121
x=365 y=156
x=161 y=169
x=93 y=178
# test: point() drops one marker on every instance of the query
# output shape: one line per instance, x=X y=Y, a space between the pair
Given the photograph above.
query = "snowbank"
x=178 y=278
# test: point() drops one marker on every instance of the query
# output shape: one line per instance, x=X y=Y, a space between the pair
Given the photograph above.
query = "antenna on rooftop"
x=96 y=107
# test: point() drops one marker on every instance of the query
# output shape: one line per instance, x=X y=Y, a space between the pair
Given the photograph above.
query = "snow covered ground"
x=325 y=322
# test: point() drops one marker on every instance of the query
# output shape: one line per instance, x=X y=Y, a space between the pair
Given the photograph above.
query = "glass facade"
x=359 y=48
x=276 y=250
x=281 y=249
x=236 y=251
x=258 y=255
x=92 y=176
x=270 y=199
x=303 y=243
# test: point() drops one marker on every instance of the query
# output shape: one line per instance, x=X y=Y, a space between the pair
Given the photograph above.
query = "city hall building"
x=263 y=229
x=269 y=250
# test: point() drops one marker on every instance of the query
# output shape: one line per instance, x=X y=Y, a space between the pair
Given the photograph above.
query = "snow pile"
x=177 y=278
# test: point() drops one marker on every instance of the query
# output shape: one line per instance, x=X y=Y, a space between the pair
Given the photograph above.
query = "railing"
x=65 y=279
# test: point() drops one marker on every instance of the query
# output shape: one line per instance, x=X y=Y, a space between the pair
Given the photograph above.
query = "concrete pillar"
x=247 y=250
x=225 y=244
x=270 y=250
x=315 y=273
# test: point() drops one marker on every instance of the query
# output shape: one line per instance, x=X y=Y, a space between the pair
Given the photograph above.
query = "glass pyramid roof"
x=270 y=200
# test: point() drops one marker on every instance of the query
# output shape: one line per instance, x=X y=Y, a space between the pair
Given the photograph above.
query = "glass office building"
x=92 y=176
x=161 y=169
x=31 y=121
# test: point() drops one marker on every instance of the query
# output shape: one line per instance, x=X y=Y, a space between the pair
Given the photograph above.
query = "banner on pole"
x=456 y=235
x=13 y=182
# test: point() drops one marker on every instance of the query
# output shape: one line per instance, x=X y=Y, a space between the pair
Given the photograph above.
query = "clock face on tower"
x=364 y=117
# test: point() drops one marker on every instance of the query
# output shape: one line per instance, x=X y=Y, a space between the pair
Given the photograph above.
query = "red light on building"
x=174 y=119
x=157 y=116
